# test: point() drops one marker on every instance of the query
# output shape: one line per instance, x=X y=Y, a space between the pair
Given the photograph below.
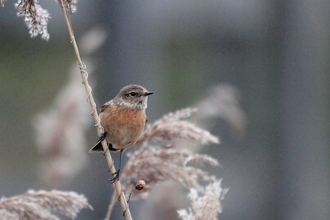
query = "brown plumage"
x=123 y=119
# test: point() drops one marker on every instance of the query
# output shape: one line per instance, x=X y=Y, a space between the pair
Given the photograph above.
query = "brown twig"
x=90 y=100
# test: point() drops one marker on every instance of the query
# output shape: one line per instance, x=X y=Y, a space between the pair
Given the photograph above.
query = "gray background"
x=275 y=52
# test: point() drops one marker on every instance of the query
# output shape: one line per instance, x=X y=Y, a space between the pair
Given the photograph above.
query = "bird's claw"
x=116 y=176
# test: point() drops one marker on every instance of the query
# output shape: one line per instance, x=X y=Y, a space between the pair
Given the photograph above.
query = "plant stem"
x=90 y=100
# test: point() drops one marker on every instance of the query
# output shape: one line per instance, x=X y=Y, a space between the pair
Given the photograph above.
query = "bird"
x=123 y=120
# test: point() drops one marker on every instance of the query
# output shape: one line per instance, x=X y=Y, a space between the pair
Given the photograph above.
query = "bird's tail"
x=97 y=148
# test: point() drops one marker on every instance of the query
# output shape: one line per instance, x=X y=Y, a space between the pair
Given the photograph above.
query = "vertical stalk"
x=84 y=75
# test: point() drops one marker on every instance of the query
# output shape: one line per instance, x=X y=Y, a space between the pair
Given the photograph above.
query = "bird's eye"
x=132 y=94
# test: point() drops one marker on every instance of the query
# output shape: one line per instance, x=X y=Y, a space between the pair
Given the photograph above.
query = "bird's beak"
x=148 y=93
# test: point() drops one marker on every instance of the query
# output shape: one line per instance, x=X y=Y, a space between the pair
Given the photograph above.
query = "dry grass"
x=38 y=205
x=159 y=157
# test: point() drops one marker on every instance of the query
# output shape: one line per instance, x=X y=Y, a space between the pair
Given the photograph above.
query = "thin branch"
x=121 y=196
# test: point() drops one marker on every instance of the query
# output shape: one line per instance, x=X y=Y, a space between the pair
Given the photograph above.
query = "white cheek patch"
x=140 y=105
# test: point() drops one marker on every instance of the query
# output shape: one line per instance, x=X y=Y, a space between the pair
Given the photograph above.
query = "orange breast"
x=123 y=125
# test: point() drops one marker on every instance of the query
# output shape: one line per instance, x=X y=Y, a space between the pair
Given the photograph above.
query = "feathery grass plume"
x=157 y=157
x=170 y=128
x=60 y=130
x=36 y=18
x=3 y=3
x=39 y=204
x=206 y=205
x=155 y=165
x=60 y=134
x=93 y=40
x=222 y=102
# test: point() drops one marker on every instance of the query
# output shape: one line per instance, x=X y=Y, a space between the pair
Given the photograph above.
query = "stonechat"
x=123 y=119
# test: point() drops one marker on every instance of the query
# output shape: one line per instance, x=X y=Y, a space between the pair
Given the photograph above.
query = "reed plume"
x=39 y=204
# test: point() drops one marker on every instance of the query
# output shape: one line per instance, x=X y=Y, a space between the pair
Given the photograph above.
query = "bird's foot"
x=102 y=137
x=115 y=176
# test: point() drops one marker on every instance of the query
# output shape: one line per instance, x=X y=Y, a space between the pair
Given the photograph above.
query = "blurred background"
x=274 y=54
